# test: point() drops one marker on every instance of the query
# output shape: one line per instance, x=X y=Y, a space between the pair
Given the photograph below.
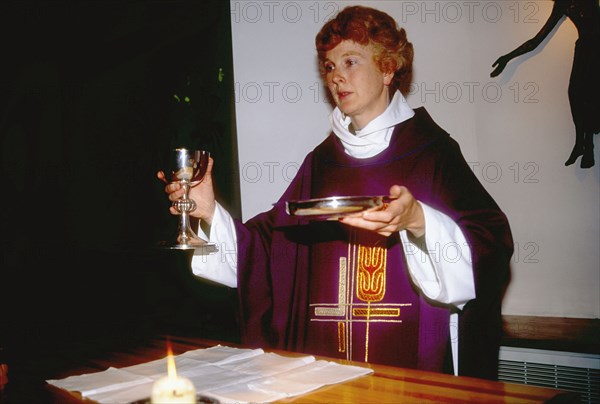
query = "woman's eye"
x=351 y=62
x=329 y=68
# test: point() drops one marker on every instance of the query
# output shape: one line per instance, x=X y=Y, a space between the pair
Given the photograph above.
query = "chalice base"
x=188 y=240
x=200 y=247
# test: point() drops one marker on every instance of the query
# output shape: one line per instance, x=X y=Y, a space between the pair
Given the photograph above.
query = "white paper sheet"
x=227 y=374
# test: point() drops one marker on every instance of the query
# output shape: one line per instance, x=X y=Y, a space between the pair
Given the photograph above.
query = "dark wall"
x=89 y=102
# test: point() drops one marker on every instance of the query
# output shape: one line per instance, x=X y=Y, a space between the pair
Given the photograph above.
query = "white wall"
x=515 y=130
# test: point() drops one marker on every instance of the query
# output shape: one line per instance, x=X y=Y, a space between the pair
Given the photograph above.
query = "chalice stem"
x=185 y=205
x=186 y=233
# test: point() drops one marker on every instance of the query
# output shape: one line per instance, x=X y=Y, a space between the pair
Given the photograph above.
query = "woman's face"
x=357 y=85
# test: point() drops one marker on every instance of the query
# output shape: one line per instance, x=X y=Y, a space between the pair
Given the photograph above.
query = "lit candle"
x=172 y=388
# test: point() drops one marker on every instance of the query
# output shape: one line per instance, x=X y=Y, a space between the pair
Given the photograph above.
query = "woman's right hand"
x=203 y=194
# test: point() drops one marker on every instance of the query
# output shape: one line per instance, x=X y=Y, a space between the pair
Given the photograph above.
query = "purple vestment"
x=290 y=270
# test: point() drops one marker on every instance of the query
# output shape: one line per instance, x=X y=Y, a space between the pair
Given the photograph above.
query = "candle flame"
x=171 y=370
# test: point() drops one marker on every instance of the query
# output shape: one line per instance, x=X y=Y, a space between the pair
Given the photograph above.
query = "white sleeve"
x=221 y=266
x=441 y=265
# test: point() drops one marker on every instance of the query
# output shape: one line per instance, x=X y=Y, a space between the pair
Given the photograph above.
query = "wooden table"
x=387 y=385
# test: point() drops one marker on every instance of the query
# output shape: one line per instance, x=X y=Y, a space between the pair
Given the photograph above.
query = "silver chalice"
x=187 y=167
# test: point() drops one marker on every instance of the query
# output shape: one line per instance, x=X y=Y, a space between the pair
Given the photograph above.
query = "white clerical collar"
x=375 y=136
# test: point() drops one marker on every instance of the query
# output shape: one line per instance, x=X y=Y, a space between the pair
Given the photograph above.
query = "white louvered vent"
x=561 y=370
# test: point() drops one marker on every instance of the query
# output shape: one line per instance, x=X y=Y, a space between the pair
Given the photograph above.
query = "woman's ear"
x=387 y=78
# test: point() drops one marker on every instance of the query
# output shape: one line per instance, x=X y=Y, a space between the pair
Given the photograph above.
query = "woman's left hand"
x=404 y=212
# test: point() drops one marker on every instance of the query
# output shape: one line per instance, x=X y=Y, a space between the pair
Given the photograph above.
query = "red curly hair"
x=368 y=26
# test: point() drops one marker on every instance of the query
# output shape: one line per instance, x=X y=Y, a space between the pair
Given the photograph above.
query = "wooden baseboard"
x=553 y=333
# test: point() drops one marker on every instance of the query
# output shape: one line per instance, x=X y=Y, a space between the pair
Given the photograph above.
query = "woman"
x=379 y=286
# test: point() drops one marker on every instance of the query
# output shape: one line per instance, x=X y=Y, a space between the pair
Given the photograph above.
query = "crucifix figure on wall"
x=584 y=82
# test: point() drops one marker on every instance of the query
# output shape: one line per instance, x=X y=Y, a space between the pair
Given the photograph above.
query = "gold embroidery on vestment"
x=341 y=336
x=360 y=294
x=370 y=274
x=369 y=312
x=370 y=281
x=367 y=333
x=351 y=279
x=340 y=310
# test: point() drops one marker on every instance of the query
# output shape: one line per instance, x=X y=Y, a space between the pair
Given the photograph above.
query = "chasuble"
x=324 y=288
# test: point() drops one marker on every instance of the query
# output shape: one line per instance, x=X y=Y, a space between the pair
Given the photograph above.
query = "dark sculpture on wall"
x=584 y=82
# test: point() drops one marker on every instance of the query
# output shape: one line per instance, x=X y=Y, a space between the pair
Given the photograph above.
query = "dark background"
x=89 y=104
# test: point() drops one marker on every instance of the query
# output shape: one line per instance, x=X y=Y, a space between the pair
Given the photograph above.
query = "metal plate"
x=333 y=207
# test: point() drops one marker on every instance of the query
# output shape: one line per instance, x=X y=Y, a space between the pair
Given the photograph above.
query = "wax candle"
x=173 y=389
